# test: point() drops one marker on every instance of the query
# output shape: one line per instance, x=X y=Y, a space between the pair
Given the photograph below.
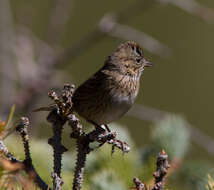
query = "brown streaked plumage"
x=111 y=91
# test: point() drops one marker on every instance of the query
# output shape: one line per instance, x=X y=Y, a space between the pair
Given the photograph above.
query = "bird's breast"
x=121 y=100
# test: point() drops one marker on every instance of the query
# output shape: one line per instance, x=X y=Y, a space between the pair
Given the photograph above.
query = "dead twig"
x=159 y=174
x=139 y=185
x=11 y=163
x=57 y=117
x=193 y=7
x=22 y=128
x=109 y=25
x=83 y=141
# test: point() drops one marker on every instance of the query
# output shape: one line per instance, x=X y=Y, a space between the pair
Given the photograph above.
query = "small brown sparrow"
x=112 y=90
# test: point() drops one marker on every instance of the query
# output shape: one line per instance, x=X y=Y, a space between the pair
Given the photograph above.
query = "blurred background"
x=44 y=44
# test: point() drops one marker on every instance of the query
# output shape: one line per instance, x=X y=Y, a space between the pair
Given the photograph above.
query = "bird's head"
x=130 y=58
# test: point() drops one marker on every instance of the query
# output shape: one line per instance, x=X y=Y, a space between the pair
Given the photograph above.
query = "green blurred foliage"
x=172 y=134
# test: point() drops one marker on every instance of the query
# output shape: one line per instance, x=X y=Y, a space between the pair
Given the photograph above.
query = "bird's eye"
x=138 y=60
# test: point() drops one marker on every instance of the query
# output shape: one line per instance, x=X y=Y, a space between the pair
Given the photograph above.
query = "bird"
x=108 y=94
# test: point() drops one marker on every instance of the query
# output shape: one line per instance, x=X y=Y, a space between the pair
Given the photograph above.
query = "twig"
x=82 y=151
x=57 y=181
x=4 y=150
x=22 y=128
x=138 y=184
x=58 y=18
x=55 y=141
x=159 y=174
x=13 y=163
x=110 y=26
x=57 y=117
x=97 y=34
x=79 y=48
x=147 y=113
x=83 y=146
x=193 y=7
x=32 y=74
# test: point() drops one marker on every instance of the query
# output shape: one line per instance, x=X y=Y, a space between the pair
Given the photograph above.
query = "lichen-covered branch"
x=83 y=141
x=22 y=128
x=56 y=142
x=159 y=174
x=139 y=185
x=11 y=163
x=57 y=117
x=161 y=171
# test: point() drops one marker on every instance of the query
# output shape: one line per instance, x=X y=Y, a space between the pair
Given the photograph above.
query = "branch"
x=57 y=117
x=139 y=185
x=58 y=18
x=22 y=128
x=159 y=174
x=12 y=163
x=6 y=153
x=56 y=143
x=97 y=34
x=83 y=141
x=193 y=7
x=111 y=27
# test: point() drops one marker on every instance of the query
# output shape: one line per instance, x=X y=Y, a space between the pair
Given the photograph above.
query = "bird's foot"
x=123 y=146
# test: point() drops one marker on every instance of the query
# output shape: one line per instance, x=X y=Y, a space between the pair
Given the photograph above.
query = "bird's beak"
x=148 y=64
